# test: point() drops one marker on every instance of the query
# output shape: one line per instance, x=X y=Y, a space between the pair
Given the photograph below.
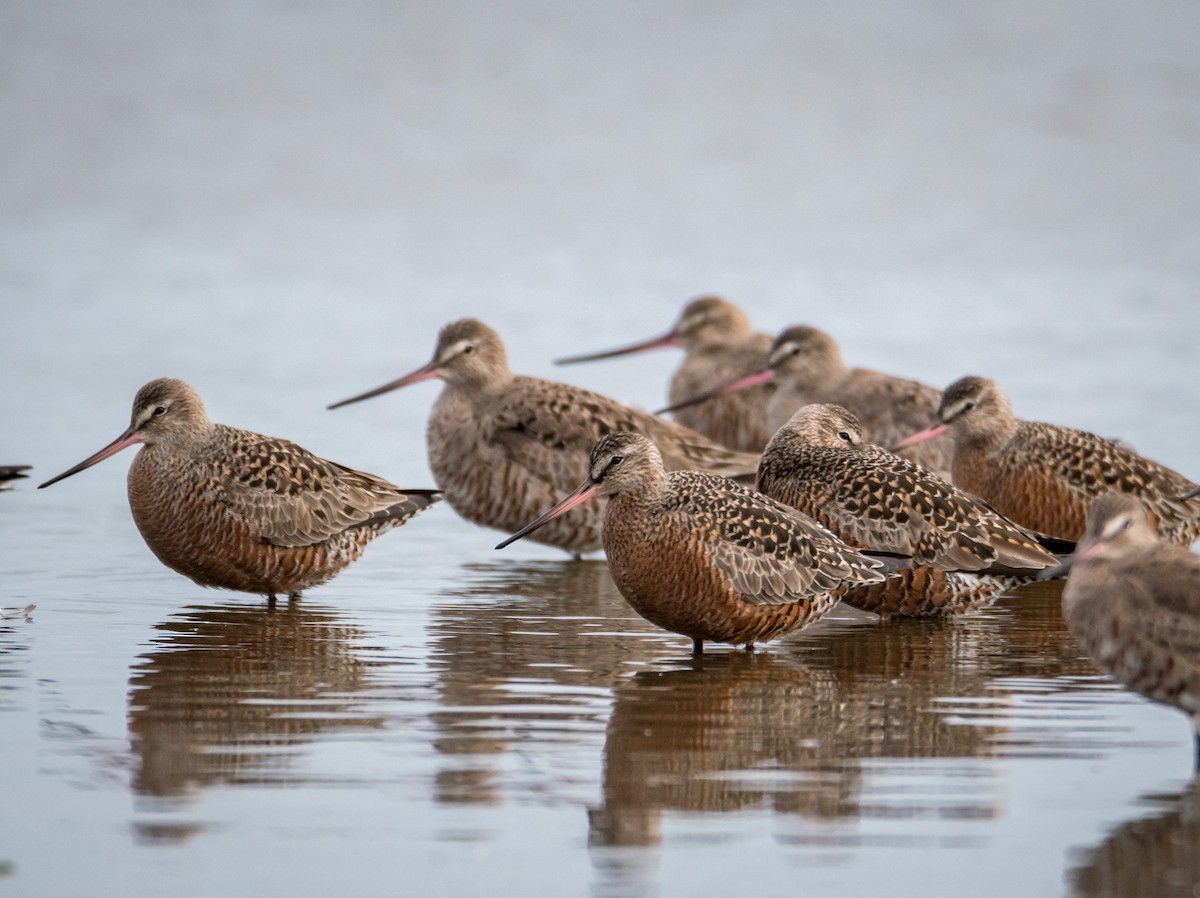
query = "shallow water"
x=281 y=204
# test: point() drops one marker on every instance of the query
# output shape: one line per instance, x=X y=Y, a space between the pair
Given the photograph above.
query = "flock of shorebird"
x=768 y=499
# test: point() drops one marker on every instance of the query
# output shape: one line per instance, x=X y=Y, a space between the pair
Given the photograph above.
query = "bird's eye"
x=1125 y=523
x=616 y=460
x=160 y=410
x=967 y=406
x=843 y=436
x=468 y=349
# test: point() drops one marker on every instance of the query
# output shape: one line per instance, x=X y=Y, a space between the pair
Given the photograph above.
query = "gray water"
x=281 y=203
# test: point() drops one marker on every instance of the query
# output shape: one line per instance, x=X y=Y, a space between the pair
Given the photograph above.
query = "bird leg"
x=697 y=646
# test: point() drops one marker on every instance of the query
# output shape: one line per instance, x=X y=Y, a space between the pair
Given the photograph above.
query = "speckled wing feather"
x=535 y=421
x=771 y=554
x=1091 y=465
x=293 y=498
x=877 y=500
x=550 y=428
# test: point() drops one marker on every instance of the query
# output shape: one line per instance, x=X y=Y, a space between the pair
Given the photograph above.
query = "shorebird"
x=807 y=366
x=1044 y=476
x=701 y=555
x=1132 y=602
x=504 y=446
x=963 y=553
x=237 y=510
x=719 y=346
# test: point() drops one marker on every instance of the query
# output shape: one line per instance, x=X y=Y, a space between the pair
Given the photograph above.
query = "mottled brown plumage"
x=963 y=552
x=1044 y=476
x=504 y=447
x=1132 y=602
x=237 y=510
x=701 y=555
x=720 y=346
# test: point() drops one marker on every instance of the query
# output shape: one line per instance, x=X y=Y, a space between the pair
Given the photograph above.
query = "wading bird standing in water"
x=237 y=510
x=963 y=553
x=504 y=446
x=1045 y=477
x=703 y=556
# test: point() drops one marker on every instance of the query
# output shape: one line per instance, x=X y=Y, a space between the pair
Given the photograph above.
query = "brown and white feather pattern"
x=536 y=421
x=259 y=514
x=963 y=552
x=770 y=554
x=505 y=454
x=701 y=555
x=875 y=499
x=293 y=498
x=1046 y=477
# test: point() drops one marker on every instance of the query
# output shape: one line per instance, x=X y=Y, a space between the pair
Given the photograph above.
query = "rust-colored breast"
x=1026 y=494
x=182 y=520
x=667 y=575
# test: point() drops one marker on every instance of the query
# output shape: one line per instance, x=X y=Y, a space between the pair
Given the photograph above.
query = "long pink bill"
x=921 y=436
x=744 y=383
x=425 y=372
x=583 y=492
x=665 y=341
x=124 y=441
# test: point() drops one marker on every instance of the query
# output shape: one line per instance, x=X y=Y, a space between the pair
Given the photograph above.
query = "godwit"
x=1132 y=603
x=719 y=346
x=963 y=553
x=701 y=555
x=806 y=366
x=504 y=446
x=1045 y=477
x=238 y=510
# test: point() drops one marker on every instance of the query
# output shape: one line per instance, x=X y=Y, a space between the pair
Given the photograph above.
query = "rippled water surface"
x=281 y=203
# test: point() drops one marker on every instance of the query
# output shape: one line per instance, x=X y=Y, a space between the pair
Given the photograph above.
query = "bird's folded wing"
x=290 y=497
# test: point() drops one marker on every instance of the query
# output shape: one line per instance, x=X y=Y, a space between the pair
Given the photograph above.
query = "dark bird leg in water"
x=697 y=646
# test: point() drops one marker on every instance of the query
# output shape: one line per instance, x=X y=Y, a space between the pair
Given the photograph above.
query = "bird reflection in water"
x=523 y=653
x=230 y=694
x=1154 y=855
x=790 y=730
